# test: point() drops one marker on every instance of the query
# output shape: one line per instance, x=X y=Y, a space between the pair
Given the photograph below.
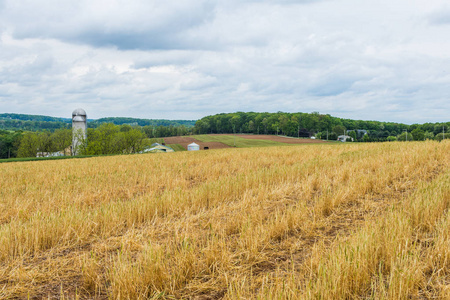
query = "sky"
x=185 y=59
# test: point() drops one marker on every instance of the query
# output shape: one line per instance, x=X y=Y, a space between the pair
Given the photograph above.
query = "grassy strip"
x=156 y=140
x=177 y=147
x=237 y=141
x=21 y=159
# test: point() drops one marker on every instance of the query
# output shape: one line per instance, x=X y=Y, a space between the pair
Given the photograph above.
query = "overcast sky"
x=184 y=59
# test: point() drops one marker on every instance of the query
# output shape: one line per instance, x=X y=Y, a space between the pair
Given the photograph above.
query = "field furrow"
x=232 y=223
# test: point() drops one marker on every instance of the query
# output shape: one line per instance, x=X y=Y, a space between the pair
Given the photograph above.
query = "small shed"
x=193 y=147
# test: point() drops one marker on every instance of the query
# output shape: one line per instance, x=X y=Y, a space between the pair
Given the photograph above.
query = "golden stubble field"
x=353 y=221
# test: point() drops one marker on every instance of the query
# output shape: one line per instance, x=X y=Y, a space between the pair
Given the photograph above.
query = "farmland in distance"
x=220 y=141
x=329 y=221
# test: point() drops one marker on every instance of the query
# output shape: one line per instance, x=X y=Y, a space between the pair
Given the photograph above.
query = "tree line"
x=107 y=138
x=9 y=121
x=319 y=125
x=141 y=122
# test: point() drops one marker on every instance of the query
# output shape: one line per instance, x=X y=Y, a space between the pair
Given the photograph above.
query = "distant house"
x=361 y=131
x=49 y=154
x=158 y=148
x=345 y=138
x=67 y=151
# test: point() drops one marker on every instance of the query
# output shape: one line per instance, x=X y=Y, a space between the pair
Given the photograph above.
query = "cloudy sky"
x=184 y=59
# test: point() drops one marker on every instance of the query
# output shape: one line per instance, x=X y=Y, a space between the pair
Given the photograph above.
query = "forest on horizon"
x=28 y=135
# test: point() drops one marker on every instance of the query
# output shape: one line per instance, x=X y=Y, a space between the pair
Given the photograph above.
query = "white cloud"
x=186 y=59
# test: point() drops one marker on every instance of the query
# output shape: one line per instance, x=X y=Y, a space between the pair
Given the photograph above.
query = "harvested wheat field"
x=340 y=221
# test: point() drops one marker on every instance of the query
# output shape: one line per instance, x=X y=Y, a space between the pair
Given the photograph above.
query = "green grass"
x=177 y=147
x=155 y=140
x=18 y=159
x=240 y=142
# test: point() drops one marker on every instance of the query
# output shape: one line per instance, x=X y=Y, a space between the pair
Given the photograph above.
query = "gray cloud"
x=187 y=59
x=122 y=24
x=441 y=17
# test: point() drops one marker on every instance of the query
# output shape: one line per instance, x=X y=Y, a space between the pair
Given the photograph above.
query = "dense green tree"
x=62 y=140
x=441 y=136
x=352 y=133
x=43 y=143
x=235 y=123
x=429 y=135
x=418 y=134
x=132 y=141
x=101 y=139
x=391 y=138
x=405 y=137
x=339 y=130
x=440 y=128
x=28 y=145
x=332 y=136
x=9 y=143
x=265 y=123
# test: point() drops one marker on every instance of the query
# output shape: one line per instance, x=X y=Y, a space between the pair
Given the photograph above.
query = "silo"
x=193 y=147
x=79 y=130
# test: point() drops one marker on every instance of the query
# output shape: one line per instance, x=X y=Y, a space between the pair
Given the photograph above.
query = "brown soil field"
x=185 y=141
x=275 y=138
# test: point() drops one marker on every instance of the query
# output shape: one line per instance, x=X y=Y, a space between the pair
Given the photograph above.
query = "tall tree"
x=28 y=145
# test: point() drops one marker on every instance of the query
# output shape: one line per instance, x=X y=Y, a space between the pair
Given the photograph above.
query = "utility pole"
x=234 y=130
x=327 y=134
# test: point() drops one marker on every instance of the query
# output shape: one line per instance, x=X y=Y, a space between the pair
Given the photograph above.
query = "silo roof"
x=78 y=119
x=79 y=112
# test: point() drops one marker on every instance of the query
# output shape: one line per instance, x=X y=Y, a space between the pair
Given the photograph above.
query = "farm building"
x=193 y=147
x=49 y=154
x=158 y=148
x=345 y=138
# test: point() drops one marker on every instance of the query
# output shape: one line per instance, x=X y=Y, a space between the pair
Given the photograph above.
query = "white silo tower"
x=79 y=129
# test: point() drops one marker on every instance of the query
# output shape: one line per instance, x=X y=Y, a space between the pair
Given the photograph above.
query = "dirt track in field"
x=185 y=141
x=276 y=138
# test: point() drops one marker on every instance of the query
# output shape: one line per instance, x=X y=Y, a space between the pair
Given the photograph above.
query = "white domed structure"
x=79 y=114
x=193 y=147
x=79 y=130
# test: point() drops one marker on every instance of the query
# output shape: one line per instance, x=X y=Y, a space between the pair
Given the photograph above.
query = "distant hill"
x=32 y=122
x=145 y=122
x=38 y=118
x=11 y=121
